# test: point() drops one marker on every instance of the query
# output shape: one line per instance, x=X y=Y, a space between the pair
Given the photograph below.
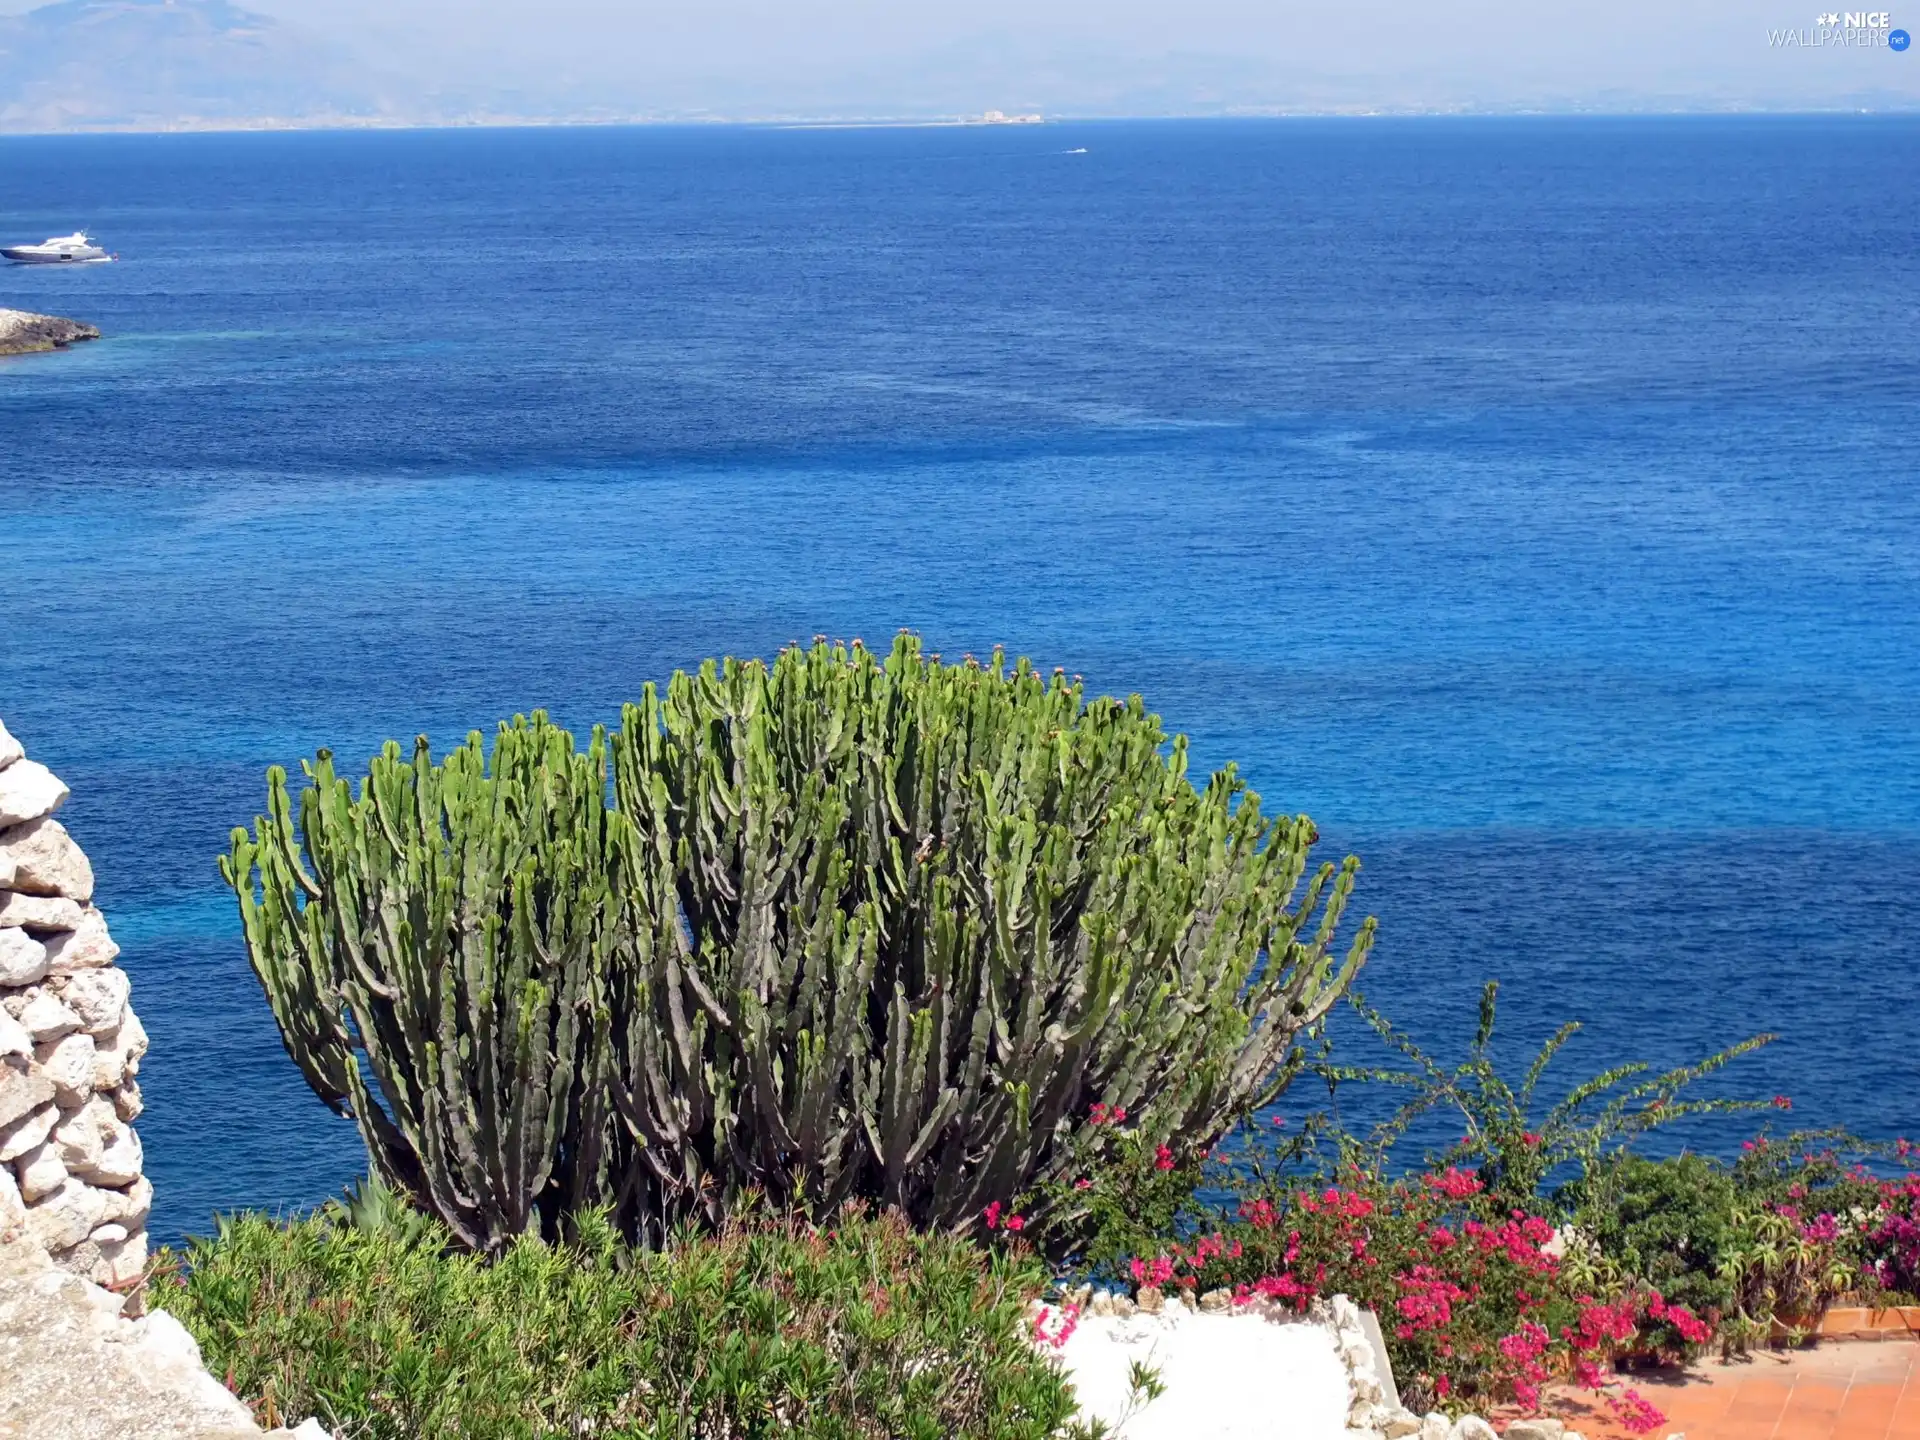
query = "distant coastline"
x=488 y=121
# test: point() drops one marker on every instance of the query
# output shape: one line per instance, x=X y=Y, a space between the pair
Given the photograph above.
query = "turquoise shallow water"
x=1530 y=501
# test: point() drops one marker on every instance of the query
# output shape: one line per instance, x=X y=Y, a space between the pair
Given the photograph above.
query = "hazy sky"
x=739 y=56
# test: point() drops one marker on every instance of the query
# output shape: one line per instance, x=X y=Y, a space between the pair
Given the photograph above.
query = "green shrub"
x=855 y=929
x=1518 y=1148
x=869 y=1330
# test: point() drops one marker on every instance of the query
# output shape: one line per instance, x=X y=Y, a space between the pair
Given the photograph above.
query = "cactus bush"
x=436 y=962
x=866 y=927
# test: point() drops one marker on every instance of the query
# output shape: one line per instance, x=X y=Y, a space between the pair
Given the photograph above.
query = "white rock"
x=1435 y=1426
x=10 y=750
x=95 y=1145
x=1227 y=1376
x=85 y=948
x=27 y=1132
x=28 y=790
x=23 y=959
x=46 y=1019
x=1399 y=1424
x=124 y=1261
x=65 y=1218
x=13 y=1205
x=23 y=1089
x=41 y=1172
x=1540 y=1429
x=111 y=1233
x=39 y=913
x=80 y=1135
x=166 y=1341
x=131 y=1206
x=68 y=1065
x=98 y=997
x=44 y=860
x=14 y=1037
x=127 y=1103
x=106 y=1304
x=311 y=1429
x=116 y=1056
x=1472 y=1427
x=84 y=1260
x=120 y=1159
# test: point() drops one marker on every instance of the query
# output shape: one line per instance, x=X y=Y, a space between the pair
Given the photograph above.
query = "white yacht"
x=60 y=250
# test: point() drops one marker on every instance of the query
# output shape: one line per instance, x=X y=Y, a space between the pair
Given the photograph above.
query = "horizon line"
x=349 y=123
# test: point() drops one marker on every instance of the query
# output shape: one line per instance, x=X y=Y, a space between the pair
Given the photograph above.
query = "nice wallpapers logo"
x=1852 y=29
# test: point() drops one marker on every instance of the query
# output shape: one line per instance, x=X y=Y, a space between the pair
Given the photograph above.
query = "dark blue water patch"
x=1532 y=502
x=1666 y=948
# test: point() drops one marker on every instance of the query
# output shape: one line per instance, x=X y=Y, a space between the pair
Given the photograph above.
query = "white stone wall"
x=70 y=1046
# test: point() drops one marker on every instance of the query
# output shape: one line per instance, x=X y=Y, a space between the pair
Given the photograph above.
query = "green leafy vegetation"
x=382 y=1328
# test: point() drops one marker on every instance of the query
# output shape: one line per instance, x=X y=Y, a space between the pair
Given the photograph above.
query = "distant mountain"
x=164 y=64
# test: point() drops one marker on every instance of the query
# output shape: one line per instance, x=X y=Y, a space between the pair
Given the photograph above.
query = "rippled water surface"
x=1533 y=502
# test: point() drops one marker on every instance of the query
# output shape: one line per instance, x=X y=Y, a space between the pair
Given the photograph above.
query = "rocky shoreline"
x=24 y=333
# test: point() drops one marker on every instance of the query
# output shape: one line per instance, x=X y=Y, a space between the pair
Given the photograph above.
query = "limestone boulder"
x=117 y=1054
x=41 y=858
x=86 y=947
x=13 y=1207
x=27 y=1132
x=23 y=1090
x=41 y=1172
x=15 y=1038
x=10 y=750
x=65 y=1217
x=131 y=1206
x=95 y=1144
x=46 y=1019
x=121 y=1262
x=98 y=997
x=67 y=1064
x=1472 y=1427
x=23 y=959
x=28 y=790
x=127 y=1103
x=39 y=914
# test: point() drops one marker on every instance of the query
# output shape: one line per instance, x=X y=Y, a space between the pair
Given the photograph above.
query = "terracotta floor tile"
x=1867 y=1413
x=1843 y=1391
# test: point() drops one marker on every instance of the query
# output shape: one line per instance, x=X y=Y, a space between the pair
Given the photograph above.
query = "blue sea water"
x=1531 y=501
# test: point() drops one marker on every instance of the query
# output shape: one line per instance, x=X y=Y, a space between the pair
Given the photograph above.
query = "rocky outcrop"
x=23 y=333
x=70 y=1046
x=77 y=1368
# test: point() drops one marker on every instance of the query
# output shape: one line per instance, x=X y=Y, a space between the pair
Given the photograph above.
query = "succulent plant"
x=851 y=927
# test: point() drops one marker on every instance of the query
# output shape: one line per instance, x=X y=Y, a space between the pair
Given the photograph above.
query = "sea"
x=1532 y=501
